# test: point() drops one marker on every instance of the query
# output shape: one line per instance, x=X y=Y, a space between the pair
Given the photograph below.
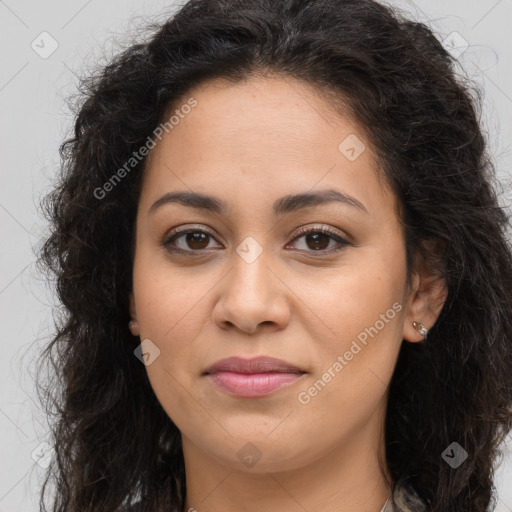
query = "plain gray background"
x=35 y=120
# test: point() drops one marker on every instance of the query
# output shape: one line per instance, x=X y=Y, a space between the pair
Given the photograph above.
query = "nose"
x=253 y=298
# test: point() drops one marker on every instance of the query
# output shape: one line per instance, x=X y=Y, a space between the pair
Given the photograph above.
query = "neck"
x=347 y=479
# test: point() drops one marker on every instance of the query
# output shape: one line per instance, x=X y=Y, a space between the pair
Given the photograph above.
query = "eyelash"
x=171 y=238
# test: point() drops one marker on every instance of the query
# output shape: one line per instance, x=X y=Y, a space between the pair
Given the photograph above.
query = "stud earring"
x=133 y=325
x=420 y=328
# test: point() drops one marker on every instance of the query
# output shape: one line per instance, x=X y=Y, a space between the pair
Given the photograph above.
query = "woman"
x=285 y=272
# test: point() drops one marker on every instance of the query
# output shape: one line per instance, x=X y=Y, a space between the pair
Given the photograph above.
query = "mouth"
x=251 y=378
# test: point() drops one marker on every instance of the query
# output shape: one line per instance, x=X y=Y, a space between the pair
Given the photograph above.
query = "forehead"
x=260 y=138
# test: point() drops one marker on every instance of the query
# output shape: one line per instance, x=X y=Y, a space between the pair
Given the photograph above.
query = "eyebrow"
x=281 y=206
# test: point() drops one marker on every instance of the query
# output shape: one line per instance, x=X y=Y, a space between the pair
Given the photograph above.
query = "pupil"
x=196 y=238
x=315 y=236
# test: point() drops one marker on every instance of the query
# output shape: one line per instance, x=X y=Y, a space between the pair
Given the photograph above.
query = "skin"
x=250 y=144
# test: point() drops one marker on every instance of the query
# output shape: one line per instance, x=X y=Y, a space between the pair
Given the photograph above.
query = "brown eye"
x=319 y=240
x=197 y=240
x=188 y=240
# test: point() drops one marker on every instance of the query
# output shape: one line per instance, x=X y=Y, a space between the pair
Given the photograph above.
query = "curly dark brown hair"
x=114 y=444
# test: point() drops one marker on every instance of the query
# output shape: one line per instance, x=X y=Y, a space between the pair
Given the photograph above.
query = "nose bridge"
x=251 y=267
x=251 y=295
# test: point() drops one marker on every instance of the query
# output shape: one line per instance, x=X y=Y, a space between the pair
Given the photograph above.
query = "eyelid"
x=322 y=228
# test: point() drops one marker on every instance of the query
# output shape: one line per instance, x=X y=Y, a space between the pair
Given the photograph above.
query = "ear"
x=427 y=296
x=134 y=324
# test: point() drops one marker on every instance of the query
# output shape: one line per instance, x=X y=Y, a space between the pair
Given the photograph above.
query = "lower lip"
x=252 y=384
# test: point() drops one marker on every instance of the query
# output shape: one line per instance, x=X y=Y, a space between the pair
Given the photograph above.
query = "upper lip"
x=261 y=364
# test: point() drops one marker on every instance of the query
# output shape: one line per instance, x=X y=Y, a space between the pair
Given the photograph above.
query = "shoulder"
x=406 y=499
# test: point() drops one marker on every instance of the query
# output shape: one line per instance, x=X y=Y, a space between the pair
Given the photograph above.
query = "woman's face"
x=249 y=283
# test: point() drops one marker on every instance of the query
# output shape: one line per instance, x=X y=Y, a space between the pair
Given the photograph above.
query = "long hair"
x=113 y=442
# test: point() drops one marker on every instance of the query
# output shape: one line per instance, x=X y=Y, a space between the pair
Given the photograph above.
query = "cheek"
x=359 y=296
x=363 y=308
x=362 y=304
x=173 y=309
x=171 y=314
x=168 y=298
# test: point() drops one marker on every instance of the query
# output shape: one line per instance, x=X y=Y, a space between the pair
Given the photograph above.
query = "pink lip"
x=253 y=377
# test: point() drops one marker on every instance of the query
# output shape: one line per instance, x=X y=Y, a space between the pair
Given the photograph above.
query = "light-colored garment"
x=405 y=500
